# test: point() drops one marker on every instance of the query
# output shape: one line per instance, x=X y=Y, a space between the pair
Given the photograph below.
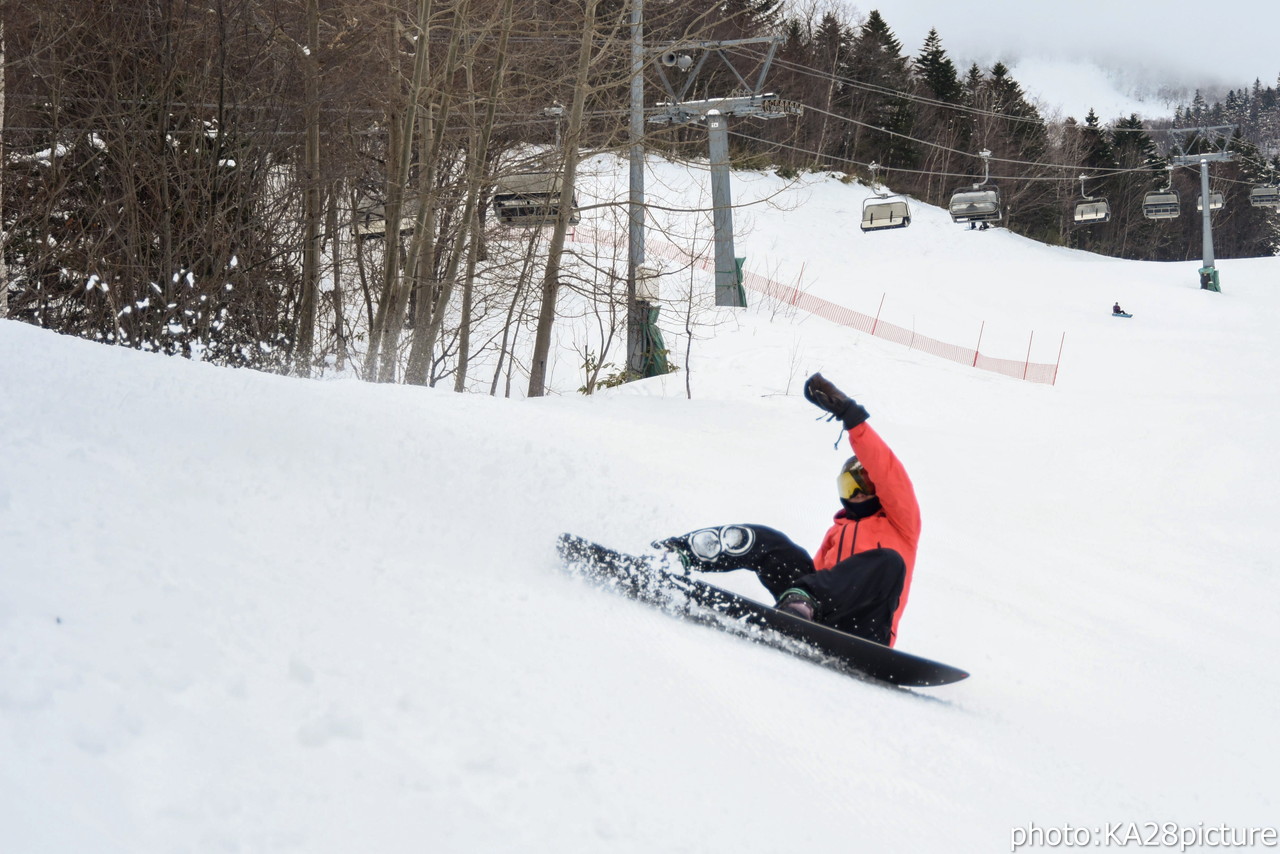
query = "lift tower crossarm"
x=766 y=106
x=678 y=56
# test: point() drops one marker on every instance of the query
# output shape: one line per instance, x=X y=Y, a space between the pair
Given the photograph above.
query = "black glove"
x=712 y=549
x=822 y=394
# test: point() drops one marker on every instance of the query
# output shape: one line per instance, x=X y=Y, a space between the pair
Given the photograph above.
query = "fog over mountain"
x=1116 y=58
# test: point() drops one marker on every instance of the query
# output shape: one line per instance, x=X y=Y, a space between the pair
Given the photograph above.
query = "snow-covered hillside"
x=240 y=612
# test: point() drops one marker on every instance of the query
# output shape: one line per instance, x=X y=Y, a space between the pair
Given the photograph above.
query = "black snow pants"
x=858 y=595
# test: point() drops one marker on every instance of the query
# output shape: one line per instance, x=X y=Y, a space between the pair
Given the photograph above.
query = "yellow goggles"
x=850 y=483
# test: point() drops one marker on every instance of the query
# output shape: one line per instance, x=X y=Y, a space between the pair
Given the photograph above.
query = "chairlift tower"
x=1208 y=270
x=714 y=113
x=635 y=194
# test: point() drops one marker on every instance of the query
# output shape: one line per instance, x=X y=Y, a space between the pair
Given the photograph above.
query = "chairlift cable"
x=1064 y=166
x=876 y=89
x=908 y=171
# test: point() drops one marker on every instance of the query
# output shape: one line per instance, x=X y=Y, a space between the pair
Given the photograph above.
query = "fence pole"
x=876 y=322
x=1058 y=363
x=1026 y=367
x=795 y=296
x=981 y=329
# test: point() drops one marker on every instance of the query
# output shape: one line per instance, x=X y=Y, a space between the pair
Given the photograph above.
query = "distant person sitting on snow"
x=859 y=580
x=1116 y=309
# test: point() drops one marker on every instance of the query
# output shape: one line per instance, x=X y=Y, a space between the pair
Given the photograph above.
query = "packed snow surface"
x=243 y=612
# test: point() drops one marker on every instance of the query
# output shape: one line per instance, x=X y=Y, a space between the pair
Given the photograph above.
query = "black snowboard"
x=647 y=580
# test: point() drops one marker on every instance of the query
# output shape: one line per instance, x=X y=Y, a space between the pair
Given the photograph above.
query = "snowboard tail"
x=647 y=580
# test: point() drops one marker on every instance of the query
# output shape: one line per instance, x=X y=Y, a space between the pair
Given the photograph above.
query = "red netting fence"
x=1022 y=369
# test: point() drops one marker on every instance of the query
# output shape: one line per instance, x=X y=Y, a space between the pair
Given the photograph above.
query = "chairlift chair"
x=1091 y=210
x=1265 y=197
x=976 y=204
x=370 y=220
x=1161 y=204
x=884 y=212
x=530 y=199
x=1215 y=202
x=979 y=203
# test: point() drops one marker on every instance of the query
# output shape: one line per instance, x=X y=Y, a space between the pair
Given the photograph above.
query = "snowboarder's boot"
x=798 y=602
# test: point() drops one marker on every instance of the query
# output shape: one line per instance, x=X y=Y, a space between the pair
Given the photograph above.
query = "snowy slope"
x=240 y=612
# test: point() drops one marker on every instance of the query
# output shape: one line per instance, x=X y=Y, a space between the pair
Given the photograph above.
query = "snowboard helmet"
x=853 y=480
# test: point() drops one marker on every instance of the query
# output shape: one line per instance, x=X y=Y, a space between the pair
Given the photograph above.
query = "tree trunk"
x=551 y=277
x=390 y=255
x=423 y=251
x=509 y=328
x=4 y=270
x=428 y=331
x=468 y=286
x=311 y=205
x=380 y=363
x=339 y=322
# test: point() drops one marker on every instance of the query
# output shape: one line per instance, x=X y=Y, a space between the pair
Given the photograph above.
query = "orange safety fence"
x=1022 y=369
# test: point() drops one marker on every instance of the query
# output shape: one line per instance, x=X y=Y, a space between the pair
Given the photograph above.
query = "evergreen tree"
x=1199 y=108
x=1246 y=231
x=749 y=18
x=937 y=72
x=1023 y=124
x=973 y=80
x=1097 y=150
x=876 y=61
x=946 y=127
x=829 y=50
x=970 y=95
x=1097 y=161
x=1011 y=128
x=1133 y=235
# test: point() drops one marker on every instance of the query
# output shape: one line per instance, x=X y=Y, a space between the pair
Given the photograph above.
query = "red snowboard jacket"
x=895 y=526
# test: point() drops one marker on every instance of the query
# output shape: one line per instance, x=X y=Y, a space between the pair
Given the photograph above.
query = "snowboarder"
x=859 y=580
x=1116 y=309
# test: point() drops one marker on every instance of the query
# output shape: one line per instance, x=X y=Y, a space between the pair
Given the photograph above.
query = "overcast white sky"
x=1226 y=43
